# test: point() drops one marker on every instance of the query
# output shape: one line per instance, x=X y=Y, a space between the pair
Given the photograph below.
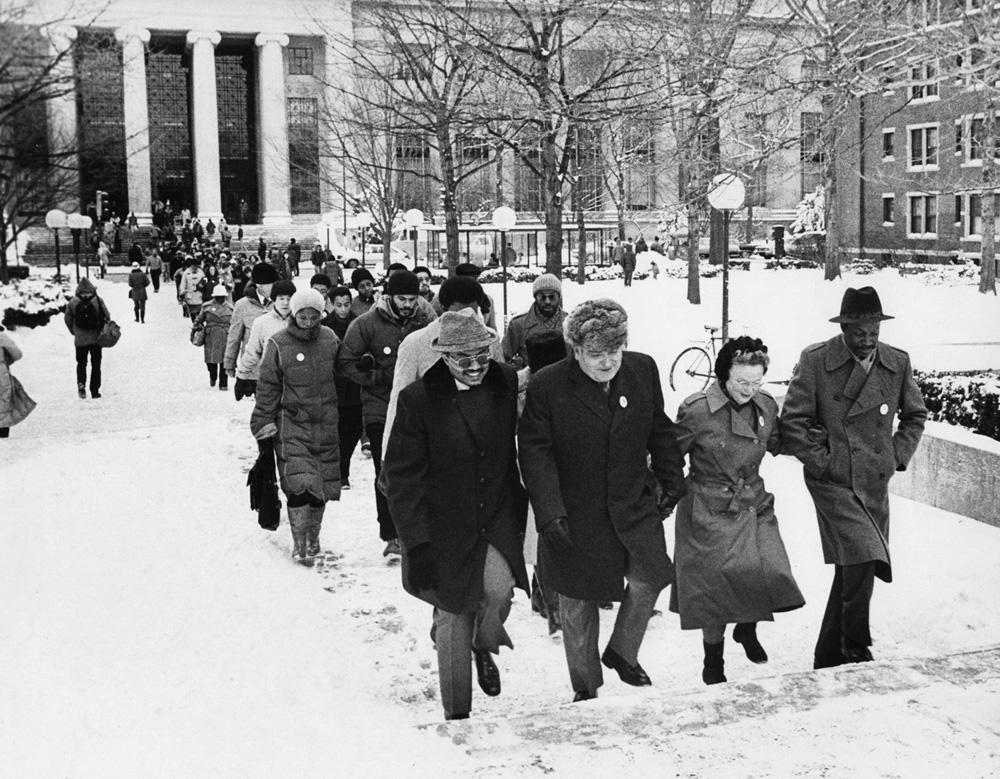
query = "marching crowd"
x=550 y=447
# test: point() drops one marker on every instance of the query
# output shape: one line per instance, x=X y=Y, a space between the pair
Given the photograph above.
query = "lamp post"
x=413 y=219
x=726 y=195
x=77 y=224
x=504 y=219
x=54 y=220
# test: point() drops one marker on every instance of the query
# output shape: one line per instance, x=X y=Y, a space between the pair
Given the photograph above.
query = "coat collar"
x=717 y=399
x=837 y=354
x=439 y=379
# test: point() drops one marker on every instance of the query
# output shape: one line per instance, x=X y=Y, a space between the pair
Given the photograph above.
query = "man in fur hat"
x=838 y=419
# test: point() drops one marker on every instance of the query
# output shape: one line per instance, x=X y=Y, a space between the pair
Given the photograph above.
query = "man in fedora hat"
x=458 y=504
x=838 y=420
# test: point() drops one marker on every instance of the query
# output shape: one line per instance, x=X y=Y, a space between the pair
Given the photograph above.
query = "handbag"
x=198 y=336
x=263 y=483
x=109 y=334
x=21 y=404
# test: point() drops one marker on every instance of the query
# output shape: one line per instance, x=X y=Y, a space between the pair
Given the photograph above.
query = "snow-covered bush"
x=969 y=401
x=862 y=267
x=32 y=302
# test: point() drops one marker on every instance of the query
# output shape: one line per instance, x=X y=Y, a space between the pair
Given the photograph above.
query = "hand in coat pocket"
x=556 y=532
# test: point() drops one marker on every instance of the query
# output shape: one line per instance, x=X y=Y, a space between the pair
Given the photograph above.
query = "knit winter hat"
x=307 y=298
x=460 y=289
x=263 y=273
x=219 y=291
x=403 y=282
x=321 y=278
x=135 y=266
x=462 y=331
x=545 y=282
x=282 y=287
x=359 y=275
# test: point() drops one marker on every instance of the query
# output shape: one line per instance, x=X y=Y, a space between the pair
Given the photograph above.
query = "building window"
x=303 y=154
x=959 y=212
x=640 y=155
x=811 y=151
x=413 y=163
x=975 y=226
x=922 y=215
x=888 y=144
x=300 y=61
x=972 y=64
x=888 y=207
x=923 y=81
x=959 y=137
x=977 y=139
x=923 y=147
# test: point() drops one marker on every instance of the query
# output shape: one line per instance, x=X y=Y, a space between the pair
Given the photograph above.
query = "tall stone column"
x=205 y=124
x=140 y=184
x=64 y=141
x=272 y=127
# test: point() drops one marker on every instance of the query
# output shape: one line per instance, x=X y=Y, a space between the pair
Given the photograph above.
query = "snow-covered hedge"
x=970 y=401
x=32 y=302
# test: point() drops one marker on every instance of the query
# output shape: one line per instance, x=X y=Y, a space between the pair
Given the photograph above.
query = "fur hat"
x=547 y=281
x=402 y=282
x=263 y=273
x=307 y=298
x=282 y=287
x=321 y=278
x=600 y=323
x=462 y=331
x=359 y=275
x=467 y=269
x=219 y=291
x=860 y=305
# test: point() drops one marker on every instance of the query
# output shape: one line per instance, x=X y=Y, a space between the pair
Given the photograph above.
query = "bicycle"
x=693 y=368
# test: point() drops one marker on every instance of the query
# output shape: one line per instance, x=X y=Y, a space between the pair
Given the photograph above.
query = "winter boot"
x=745 y=633
x=312 y=537
x=81 y=390
x=712 y=673
x=299 y=521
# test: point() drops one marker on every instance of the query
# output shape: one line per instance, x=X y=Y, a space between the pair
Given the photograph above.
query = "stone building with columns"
x=214 y=108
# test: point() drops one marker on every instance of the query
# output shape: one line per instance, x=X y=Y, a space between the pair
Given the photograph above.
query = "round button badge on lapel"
x=623 y=401
x=300 y=357
x=883 y=409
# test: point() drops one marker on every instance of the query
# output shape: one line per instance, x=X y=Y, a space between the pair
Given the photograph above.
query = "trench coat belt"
x=742 y=492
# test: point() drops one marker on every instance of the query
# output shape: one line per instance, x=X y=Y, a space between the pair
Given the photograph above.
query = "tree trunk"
x=831 y=258
x=553 y=206
x=620 y=203
x=694 y=278
x=447 y=166
x=581 y=241
x=987 y=249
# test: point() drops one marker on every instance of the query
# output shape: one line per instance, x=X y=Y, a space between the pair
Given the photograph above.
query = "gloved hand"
x=267 y=431
x=666 y=505
x=365 y=363
x=244 y=388
x=422 y=571
x=556 y=532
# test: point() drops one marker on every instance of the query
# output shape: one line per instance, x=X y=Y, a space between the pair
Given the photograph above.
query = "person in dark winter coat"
x=86 y=314
x=628 y=262
x=730 y=560
x=215 y=318
x=350 y=424
x=546 y=314
x=368 y=357
x=15 y=404
x=590 y=424
x=364 y=284
x=454 y=491
x=838 y=420
x=137 y=283
x=296 y=405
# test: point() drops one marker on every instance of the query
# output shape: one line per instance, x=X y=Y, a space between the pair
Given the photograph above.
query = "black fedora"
x=859 y=305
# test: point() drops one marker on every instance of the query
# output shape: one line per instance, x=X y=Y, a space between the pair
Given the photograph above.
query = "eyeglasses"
x=465 y=362
x=752 y=386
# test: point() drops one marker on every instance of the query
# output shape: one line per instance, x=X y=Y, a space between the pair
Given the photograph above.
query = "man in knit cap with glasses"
x=546 y=314
x=458 y=503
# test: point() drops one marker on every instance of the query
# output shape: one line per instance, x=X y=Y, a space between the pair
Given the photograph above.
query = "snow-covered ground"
x=150 y=628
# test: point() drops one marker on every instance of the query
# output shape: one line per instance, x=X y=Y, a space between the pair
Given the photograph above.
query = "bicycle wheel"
x=691 y=371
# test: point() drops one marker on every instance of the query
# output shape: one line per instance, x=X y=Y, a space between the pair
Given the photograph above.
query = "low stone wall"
x=955 y=470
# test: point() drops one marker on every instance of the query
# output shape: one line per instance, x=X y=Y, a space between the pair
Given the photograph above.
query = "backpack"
x=88 y=315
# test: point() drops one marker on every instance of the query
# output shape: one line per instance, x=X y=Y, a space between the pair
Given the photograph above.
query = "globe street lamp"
x=413 y=219
x=726 y=195
x=54 y=220
x=504 y=219
x=77 y=224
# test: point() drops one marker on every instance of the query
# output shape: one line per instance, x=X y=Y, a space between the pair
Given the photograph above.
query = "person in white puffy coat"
x=263 y=327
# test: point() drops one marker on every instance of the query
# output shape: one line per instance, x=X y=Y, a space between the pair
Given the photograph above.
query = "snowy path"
x=151 y=628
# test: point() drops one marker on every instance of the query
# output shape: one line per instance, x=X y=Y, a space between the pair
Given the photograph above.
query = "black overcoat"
x=586 y=455
x=452 y=480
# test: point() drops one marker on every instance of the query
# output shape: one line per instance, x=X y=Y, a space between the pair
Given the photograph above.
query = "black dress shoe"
x=857 y=654
x=456 y=716
x=827 y=661
x=487 y=672
x=745 y=633
x=630 y=674
x=583 y=695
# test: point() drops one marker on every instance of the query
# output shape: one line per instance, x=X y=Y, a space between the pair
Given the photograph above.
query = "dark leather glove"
x=666 y=506
x=556 y=532
x=244 y=388
x=365 y=363
x=422 y=571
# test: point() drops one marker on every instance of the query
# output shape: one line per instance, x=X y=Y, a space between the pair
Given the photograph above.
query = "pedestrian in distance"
x=731 y=564
x=453 y=487
x=214 y=318
x=350 y=422
x=296 y=412
x=837 y=419
x=86 y=314
x=545 y=314
x=364 y=284
x=138 y=281
x=191 y=288
x=253 y=303
x=15 y=403
x=595 y=445
x=154 y=264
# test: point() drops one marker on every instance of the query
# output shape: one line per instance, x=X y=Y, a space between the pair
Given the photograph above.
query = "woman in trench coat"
x=731 y=565
x=215 y=317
